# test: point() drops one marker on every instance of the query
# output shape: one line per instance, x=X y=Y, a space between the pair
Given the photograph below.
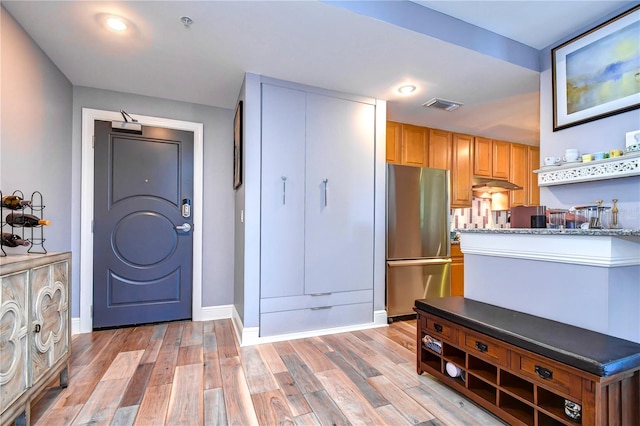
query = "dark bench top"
x=587 y=350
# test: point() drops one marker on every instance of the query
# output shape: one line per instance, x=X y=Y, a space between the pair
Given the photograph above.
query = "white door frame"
x=86 y=207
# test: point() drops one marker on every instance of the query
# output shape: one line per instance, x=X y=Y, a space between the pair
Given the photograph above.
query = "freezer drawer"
x=408 y=280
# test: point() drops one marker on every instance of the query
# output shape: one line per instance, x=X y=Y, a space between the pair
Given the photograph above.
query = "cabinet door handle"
x=437 y=327
x=544 y=373
x=284 y=189
x=325 y=181
x=319 y=308
x=320 y=294
x=482 y=347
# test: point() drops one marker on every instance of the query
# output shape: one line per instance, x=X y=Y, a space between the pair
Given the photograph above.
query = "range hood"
x=493 y=185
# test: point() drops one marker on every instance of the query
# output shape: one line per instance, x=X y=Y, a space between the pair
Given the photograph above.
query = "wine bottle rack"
x=35 y=235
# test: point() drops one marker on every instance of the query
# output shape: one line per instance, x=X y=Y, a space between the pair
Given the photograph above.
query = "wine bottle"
x=12 y=240
x=14 y=202
x=26 y=220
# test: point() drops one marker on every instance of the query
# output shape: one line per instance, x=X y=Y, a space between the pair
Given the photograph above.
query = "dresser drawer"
x=442 y=329
x=486 y=348
x=547 y=372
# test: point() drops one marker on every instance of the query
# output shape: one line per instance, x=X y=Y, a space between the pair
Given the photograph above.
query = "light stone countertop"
x=549 y=231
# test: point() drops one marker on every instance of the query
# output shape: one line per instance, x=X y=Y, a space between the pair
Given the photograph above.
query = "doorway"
x=87 y=214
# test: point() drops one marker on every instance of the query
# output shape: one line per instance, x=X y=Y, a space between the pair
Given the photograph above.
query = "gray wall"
x=217 y=282
x=41 y=151
x=35 y=140
x=600 y=135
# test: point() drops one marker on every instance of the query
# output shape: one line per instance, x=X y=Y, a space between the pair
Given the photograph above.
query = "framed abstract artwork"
x=237 y=147
x=597 y=74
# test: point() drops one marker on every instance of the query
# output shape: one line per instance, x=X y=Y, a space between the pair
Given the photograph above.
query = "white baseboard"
x=248 y=336
x=210 y=313
x=75 y=326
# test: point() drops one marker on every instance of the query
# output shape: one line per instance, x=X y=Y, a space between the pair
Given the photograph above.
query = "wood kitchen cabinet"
x=317 y=211
x=467 y=156
x=440 y=143
x=457 y=271
x=524 y=160
x=414 y=145
x=394 y=142
x=519 y=174
x=35 y=324
x=462 y=170
x=407 y=144
x=491 y=158
x=533 y=157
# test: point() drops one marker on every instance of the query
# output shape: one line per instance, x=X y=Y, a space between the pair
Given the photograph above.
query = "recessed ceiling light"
x=407 y=89
x=116 y=24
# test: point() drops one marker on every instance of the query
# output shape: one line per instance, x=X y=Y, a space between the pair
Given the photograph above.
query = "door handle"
x=284 y=189
x=325 y=181
x=185 y=227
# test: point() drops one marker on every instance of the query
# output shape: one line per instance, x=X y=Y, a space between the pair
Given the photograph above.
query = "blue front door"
x=142 y=252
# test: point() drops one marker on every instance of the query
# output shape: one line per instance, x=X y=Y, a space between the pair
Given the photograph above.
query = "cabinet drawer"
x=307 y=301
x=547 y=372
x=486 y=348
x=443 y=329
x=274 y=323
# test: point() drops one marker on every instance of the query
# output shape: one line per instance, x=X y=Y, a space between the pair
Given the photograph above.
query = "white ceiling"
x=536 y=23
x=312 y=43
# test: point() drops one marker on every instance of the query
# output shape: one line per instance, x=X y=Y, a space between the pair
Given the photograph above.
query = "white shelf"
x=610 y=168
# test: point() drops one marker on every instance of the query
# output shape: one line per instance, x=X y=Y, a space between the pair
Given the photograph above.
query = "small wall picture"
x=597 y=74
x=237 y=147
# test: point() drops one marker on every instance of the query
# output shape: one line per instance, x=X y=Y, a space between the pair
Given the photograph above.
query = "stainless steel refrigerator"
x=418 y=242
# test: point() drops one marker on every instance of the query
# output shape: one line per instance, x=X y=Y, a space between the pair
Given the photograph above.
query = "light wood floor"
x=193 y=373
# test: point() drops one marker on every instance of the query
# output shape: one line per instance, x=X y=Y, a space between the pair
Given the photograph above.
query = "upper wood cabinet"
x=414 y=145
x=462 y=170
x=533 y=155
x=519 y=174
x=394 y=142
x=466 y=156
x=501 y=159
x=440 y=155
x=483 y=157
x=491 y=158
x=407 y=144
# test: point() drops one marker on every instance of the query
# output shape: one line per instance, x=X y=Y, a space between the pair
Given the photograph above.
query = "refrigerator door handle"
x=418 y=262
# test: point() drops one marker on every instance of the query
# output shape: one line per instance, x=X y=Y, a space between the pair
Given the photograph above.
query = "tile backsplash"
x=479 y=216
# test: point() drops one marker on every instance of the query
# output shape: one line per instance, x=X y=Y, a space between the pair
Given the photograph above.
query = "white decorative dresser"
x=35 y=335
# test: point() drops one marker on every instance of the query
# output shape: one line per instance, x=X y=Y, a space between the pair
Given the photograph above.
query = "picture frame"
x=597 y=74
x=237 y=147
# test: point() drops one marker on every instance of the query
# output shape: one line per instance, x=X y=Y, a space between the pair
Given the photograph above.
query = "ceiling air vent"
x=442 y=104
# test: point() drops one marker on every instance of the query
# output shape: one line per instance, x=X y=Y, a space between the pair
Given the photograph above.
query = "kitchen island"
x=587 y=278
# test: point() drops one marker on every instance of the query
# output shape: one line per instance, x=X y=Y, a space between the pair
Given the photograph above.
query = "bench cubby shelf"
x=518 y=385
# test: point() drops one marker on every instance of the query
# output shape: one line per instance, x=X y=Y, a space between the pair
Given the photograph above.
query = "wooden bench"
x=529 y=370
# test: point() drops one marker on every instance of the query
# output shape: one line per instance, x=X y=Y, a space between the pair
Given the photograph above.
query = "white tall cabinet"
x=317 y=210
